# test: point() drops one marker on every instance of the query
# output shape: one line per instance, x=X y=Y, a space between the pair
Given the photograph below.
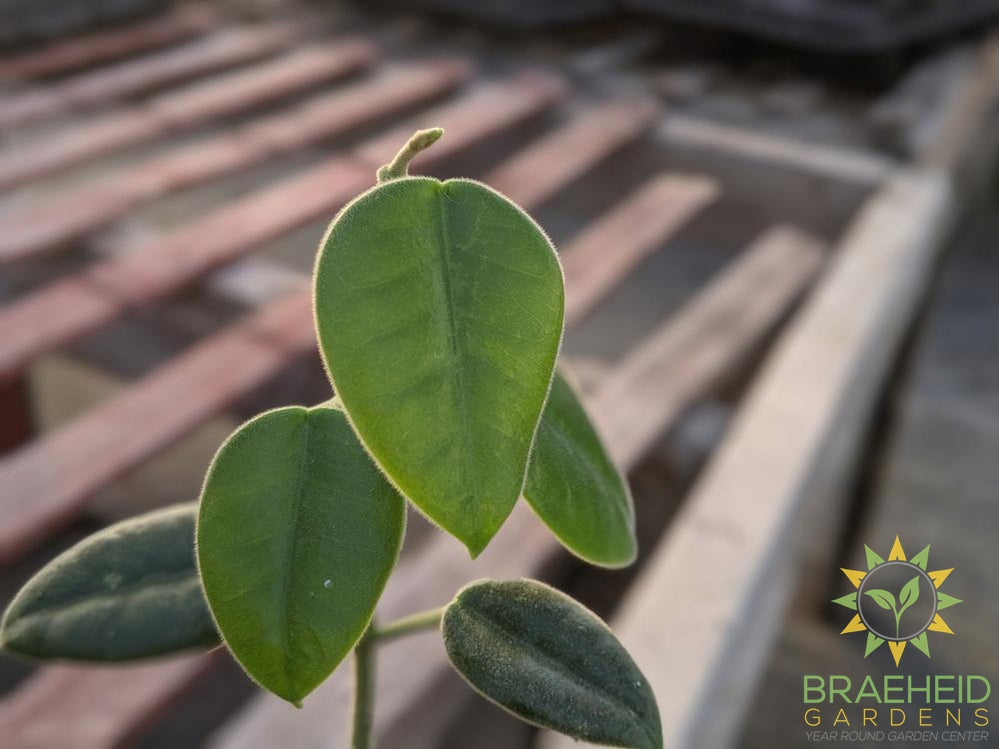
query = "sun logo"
x=897 y=601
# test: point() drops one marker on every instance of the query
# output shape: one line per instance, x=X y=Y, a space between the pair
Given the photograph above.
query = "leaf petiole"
x=407 y=625
x=399 y=166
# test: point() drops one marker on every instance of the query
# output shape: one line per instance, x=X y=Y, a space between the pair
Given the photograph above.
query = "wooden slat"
x=196 y=105
x=213 y=53
x=69 y=55
x=597 y=134
x=599 y=259
x=55 y=222
x=788 y=454
x=638 y=399
x=679 y=364
x=700 y=143
x=494 y=110
x=71 y=307
x=92 y=708
x=48 y=481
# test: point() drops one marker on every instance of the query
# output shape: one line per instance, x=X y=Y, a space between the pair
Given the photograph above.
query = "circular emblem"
x=897 y=601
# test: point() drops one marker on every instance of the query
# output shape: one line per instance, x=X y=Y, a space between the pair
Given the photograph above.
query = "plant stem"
x=364 y=690
x=399 y=166
x=364 y=668
x=417 y=622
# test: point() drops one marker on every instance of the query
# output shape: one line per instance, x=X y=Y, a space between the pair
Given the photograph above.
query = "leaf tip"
x=475 y=547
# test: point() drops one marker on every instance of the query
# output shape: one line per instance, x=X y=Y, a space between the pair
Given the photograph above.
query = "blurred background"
x=780 y=230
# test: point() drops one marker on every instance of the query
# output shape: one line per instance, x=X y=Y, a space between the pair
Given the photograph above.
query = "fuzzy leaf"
x=574 y=487
x=551 y=662
x=297 y=535
x=439 y=313
x=129 y=591
x=882 y=598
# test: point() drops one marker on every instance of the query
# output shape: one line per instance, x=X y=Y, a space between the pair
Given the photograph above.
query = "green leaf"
x=297 y=535
x=439 y=314
x=882 y=598
x=551 y=662
x=129 y=591
x=574 y=487
x=908 y=595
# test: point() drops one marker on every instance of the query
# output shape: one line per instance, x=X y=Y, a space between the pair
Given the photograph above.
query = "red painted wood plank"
x=47 y=482
x=491 y=108
x=72 y=307
x=76 y=53
x=220 y=97
x=598 y=259
x=146 y=74
x=599 y=132
x=54 y=223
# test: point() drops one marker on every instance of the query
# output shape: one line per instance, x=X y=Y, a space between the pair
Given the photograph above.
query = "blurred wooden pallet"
x=772 y=500
x=75 y=54
x=48 y=481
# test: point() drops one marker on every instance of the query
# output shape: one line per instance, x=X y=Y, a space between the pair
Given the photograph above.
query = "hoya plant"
x=439 y=316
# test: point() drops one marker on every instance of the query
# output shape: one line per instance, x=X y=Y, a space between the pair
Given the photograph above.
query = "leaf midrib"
x=455 y=376
x=67 y=606
x=556 y=666
x=292 y=554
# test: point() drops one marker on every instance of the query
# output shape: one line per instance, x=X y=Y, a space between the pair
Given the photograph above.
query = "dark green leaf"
x=551 y=662
x=297 y=535
x=129 y=591
x=439 y=313
x=882 y=598
x=574 y=487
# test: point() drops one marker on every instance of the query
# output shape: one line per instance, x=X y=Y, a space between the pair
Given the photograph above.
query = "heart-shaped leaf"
x=439 y=315
x=551 y=662
x=574 y=487
x=297 y=535
x=129 y=591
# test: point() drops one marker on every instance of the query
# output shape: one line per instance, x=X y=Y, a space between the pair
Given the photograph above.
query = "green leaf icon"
x=909 y=594
x=882 y=598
